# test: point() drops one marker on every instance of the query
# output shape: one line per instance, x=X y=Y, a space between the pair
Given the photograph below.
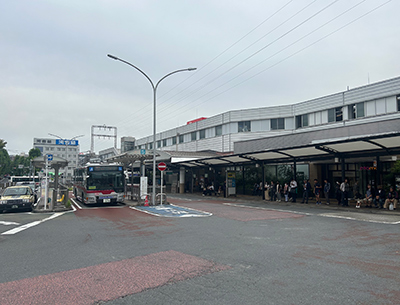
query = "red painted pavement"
x=108 y=281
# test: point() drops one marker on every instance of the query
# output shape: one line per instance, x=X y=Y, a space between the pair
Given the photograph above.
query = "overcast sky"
x=55 y=76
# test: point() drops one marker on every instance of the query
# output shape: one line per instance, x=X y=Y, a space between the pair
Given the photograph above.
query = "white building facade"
x=371 y=103
x=66 y=149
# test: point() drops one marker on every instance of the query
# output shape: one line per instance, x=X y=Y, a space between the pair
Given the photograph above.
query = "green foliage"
x=68 y=204
x=34 y=152
x=396 y=168
x=5 y=162
x=2 y=144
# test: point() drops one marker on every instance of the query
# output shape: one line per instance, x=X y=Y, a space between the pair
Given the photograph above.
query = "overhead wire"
x=274 y=41
x=288 y=57
x=266 y=46
x=216 y=57
x=295 y=53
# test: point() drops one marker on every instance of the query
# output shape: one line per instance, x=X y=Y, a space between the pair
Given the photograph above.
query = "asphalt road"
x=244 y=253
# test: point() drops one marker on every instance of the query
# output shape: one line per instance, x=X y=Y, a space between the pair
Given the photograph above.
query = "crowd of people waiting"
x=378 y=198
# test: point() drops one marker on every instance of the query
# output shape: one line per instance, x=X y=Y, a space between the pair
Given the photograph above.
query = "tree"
x=5 y=161
x=2 y=144
x=34 y=152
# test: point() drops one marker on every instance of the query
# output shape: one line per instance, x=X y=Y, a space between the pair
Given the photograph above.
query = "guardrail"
x=134 y=195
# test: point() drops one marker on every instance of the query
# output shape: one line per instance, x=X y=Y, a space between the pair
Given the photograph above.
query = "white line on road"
x=316 y=214
x=32 y=224
x=75 y=203
x=9 y=223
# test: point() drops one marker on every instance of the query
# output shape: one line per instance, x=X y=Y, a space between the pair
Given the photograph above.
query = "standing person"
x=317 y=191
x=286 y=191
x=344 y=188
x=272 y=193
x=306 y=191
x=338 y=193
x=266 y=190
x=260 y=188
x=255 y=189
x=293 y=189
x=356 y=190
x=327 y=188
x=278 y=191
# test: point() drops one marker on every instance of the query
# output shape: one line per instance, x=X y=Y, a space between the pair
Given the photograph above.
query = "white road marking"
x=316 y=214
x=9 y=223
x=76 y=203
x=353 y=218
x=32 y=224
x=94 y=208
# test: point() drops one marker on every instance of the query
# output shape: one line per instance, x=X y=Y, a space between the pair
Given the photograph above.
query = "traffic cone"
x=146 y=202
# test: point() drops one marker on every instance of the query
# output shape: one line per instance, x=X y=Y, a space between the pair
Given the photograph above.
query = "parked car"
x=16 y=198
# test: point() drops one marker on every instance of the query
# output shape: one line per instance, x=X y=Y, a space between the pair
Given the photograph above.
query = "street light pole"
x=154 y=111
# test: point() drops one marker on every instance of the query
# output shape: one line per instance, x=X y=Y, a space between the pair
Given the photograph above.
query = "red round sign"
x=162 y=166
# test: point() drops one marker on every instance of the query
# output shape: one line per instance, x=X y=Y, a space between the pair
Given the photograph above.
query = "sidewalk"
x=259 y=202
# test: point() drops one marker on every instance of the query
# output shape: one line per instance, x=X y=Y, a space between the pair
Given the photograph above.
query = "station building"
x=353 y=134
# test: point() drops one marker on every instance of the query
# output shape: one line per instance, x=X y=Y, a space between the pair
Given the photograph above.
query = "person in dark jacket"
x=306 y=191
x=379 y=197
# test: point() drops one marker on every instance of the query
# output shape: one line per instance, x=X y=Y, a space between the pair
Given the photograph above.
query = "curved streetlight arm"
x=180 y=70
x=148 y=78
x=54 y=135
x=133 y=66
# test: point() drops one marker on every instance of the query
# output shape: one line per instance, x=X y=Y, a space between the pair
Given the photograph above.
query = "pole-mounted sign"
x=162 y=166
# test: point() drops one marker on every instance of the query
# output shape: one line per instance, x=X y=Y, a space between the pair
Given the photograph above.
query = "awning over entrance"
x=340 y=142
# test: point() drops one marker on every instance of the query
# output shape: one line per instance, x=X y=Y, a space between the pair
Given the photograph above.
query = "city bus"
x=99 y=184
x=15 y=179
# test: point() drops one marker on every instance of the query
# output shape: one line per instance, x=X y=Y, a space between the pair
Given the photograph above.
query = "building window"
x=244 y=126
x=277 y=124
x=193 y=136
x=398 y=102
x=339 y=114
x=150 y=145
x=301 y=120
x=158 y=143
x=356 y=111
x=218 y=130
x=49 y=141
x=331 y=115
x=173 y=140
x=335 y=114
x=202 y=134
x=181 y=138
x=164 y=142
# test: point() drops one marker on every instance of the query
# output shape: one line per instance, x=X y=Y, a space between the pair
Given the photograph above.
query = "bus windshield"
x=106 y=180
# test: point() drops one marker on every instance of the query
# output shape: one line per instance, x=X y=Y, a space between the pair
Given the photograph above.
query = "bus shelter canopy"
x=342 y=142
x=57 y=162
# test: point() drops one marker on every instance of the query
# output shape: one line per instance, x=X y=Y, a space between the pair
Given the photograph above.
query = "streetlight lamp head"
x=192 y=69
x=113 y=57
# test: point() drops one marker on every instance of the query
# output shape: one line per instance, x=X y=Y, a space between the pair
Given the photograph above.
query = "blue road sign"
x=49 y=157
x=171 y=211
x=142 y=151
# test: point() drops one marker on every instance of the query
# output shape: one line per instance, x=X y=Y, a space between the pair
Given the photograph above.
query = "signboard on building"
x=67 y=142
